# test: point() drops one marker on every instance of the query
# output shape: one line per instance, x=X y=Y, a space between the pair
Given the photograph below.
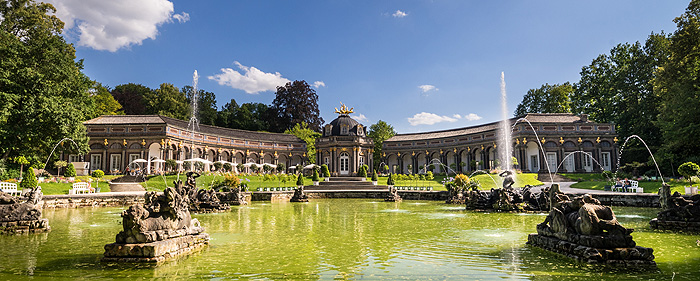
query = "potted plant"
x=315 y=178
x=362 y=173
x=98 y=174
x=374 y=178
x=325 y=173
x=29 y=181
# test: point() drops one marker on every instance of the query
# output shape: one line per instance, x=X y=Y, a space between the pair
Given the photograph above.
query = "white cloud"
x=427 y=88
x=253 y=80
x=399 y=14
x=360 y=117
x=319 y=84
x=457 y=116
x=472 y=117
x=182 y=17
x=425 y=118
x=112 y=25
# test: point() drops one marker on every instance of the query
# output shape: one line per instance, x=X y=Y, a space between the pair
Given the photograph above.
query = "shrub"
x=362 y=172
x=231 y=180
x=267 y=168
x=280 y=167
x=228 y=167
x=29 y=180
x=461 y=181
x=324 y=171
x=218 y=166
x=429 y=176
x=240 y=168
x=374 y=176
x=315 y=176
x=688 y=170
x=187 y=165
x=70 y=170
x=97 y=174
x=254 y=168
x=170 y=164
x=607 y=175
x=390 y=180
x=300 y=180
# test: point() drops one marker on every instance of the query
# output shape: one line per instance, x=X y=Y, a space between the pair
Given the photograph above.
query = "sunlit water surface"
x=339 y=239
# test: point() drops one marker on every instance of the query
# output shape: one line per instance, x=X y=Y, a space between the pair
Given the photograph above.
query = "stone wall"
x=648 y=200
x=91 y=200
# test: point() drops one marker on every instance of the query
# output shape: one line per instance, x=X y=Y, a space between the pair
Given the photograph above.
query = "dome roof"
x=344 y=126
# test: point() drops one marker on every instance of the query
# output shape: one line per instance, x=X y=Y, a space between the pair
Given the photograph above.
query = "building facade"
x=560 y=142
x=117 y=140
x=557 y=142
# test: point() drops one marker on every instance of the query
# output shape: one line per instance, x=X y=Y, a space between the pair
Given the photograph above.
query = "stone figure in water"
x=393 y=195
x=200 y=200
x=299 y=195
x=24 y=208
x=508 y=178
x=583 y=229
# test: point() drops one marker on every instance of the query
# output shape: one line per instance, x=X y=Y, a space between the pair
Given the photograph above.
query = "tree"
x=60 y=164
x=167 y=101
x=688 y=170
x=300 y=180
x=294 y=103
x=547 y=99
x=679 y=88
x=131 y=98
x=98 y=174
x=324 y=171
x=390 y=181
x=227 y=116
x=206 y=105
x=280 y=167
x=43 y=92
x=105 y=104
x=617 y=88
x=315 y=176
x=374 y=176
x=21 y=160
x=380 y=132
x=303 y=132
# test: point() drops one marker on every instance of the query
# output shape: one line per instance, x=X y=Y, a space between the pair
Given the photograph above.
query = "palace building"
x=539 y=140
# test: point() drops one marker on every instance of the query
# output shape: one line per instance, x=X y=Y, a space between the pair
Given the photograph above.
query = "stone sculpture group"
x=677 y=212
x=583 y=229
x=159 y=229
x=22 y=214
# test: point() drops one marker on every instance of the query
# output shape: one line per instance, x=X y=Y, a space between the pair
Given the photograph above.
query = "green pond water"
x=339 y=239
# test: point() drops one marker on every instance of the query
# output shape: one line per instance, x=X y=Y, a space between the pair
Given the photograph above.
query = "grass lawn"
x=649 y=186
x=57 y=188
x=157 y=183
x=486 y=181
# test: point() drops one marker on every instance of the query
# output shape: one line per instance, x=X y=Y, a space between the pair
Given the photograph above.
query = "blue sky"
x=418 y=65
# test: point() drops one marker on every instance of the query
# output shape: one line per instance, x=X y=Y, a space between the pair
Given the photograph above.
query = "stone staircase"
x=346 y=183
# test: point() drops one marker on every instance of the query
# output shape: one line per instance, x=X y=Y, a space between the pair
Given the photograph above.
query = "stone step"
x=346 y=178
x=334 y=183
x=347 y=187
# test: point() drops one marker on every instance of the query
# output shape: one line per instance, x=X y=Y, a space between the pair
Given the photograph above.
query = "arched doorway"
x=344 y=164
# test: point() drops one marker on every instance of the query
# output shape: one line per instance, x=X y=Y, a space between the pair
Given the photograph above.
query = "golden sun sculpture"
x=344 y=110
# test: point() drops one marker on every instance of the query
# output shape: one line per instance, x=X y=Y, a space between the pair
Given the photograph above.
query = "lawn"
x=157 y=183
x=57 y=188
x=649 y=186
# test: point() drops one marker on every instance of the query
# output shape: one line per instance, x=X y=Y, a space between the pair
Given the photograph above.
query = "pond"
x=340 y=239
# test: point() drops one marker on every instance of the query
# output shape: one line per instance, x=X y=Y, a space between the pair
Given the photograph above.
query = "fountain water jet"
x=505 y=135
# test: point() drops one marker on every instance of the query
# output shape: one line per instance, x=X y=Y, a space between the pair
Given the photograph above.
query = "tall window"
x=115 y=161
x=95 y=162
x=362 y=160
x=605 y=160
x=73 y=158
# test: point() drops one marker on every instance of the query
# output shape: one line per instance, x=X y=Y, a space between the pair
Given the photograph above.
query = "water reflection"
x=339 y=239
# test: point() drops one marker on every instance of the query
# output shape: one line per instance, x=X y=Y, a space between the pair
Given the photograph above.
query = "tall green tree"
x=206 y=105
x=167 y=101
x=303 y=132
x=226 y=116
x=379 y=132
x=547 y=99
x=617 y=87
x=678 y=84
x=131 y=98
x=105 y=104
x=294 y=103
x=43 y=92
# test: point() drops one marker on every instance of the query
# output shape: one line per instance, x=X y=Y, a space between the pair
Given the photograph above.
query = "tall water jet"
x=504 y=141
x=193 y=124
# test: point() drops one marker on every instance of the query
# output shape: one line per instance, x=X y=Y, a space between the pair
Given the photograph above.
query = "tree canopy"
x=379 y=132
x=679 y=88
x=302 y=131
x=294 y=103
x=44 y=95
x=547 y=99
